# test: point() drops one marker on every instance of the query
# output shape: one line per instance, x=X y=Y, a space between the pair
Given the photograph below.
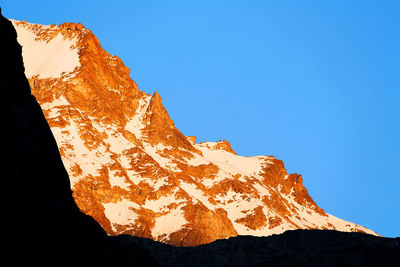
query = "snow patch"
x=135 y=124
x=228 y=162
x=54 y=106
x=196 y=194
x=167 y=224
x=120 y=213
x=161 y=204
x=47 y=59
x=117 y=180
x=88 y=160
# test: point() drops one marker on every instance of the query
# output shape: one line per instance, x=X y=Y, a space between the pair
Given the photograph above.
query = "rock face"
x=134 y=172
x=41 y=222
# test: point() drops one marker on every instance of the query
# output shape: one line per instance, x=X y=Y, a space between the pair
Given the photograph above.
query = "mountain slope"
x=42 y=224
x=134 y=172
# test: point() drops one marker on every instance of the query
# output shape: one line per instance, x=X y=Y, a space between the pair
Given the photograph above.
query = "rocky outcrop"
x=41 y=221
x=134 y=172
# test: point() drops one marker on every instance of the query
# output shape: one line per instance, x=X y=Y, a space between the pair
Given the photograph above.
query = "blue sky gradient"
x=314 y=83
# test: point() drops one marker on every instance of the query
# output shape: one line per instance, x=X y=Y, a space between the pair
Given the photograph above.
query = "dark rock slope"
x=292 y=248
x=41 y=222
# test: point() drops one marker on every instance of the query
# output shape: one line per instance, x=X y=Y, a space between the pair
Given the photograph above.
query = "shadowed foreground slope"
x=292 y=248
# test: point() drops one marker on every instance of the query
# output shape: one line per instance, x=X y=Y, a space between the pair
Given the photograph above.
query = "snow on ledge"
x=46 y=59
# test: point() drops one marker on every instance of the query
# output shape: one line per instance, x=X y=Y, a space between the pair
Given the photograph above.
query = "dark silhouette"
x=43 y=224
x=292 y=248
x=13 y=80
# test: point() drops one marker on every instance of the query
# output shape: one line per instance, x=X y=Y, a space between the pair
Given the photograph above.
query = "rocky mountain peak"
x=134 y=172
x=44 y=225
x=160 y=129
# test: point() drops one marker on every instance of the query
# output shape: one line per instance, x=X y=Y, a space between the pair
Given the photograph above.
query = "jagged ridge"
x=134 y=172
x=42 y=224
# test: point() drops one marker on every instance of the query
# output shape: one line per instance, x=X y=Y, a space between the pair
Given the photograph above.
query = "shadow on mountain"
x=292 y=248
x=43 y=225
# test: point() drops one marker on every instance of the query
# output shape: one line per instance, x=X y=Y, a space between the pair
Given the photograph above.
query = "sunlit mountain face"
x=134 y=172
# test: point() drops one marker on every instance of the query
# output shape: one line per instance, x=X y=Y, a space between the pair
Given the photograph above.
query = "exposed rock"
x=224 y=145
x=42 y=223
x=134 y=172
x=192 y=139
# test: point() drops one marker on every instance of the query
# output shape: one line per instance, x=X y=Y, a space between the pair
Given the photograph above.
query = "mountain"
x=40 y=220
x=134 y=172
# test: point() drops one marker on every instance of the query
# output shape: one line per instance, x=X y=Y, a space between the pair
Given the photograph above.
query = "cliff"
x=42 y=223
x=134 y=172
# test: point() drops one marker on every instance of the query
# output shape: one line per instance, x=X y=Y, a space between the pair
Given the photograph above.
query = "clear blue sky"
x=314 y=83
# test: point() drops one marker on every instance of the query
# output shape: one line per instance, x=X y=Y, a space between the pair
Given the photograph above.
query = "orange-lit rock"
x=135 y=173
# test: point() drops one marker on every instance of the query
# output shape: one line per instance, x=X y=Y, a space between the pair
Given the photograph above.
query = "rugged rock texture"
x=134 y=172
x=41 y=221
